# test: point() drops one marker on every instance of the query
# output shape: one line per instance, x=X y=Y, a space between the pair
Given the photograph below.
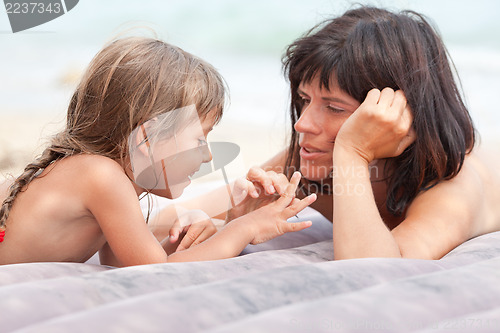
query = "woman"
x=380 y=131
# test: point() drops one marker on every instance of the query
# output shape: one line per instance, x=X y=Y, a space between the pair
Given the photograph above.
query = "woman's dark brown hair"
x=370 y=48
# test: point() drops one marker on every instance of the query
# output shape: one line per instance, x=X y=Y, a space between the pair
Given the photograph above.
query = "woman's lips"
x=308 y=153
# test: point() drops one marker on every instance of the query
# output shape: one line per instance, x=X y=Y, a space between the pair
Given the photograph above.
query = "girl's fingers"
x=298 y=206
x=295 y=226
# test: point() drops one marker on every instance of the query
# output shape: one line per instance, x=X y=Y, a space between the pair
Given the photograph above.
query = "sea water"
x=245 y=40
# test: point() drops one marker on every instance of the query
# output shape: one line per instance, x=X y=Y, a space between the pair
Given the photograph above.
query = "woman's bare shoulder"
x=276 y=163
x=453 y=211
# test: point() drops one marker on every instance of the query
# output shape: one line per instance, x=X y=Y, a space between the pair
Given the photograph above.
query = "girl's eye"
x=335 y=109
x=202 y=142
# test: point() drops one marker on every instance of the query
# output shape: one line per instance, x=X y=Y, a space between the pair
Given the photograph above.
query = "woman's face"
x=322 y=115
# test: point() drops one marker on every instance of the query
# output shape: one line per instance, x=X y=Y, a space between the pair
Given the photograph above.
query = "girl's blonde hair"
x=130 y=81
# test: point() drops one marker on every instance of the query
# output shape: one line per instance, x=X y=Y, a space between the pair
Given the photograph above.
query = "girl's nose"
x=309 y=120
x=207 y=154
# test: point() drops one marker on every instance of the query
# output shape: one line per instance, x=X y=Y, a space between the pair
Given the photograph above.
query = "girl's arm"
x=112 y=200
x=256 y=227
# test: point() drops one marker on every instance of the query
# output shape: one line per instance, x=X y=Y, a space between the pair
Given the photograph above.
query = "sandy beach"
x=23 y=137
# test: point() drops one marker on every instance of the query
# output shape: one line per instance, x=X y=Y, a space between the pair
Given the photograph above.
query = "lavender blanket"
x=287 y=285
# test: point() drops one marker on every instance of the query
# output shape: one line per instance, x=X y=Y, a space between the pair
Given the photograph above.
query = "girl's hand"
x=256 y=190
x=381 y=127
x=197 y=227
x=270 y=221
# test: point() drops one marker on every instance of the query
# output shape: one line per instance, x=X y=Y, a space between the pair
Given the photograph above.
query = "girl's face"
x=322 y=115
x=175 y=159
x=188 y=150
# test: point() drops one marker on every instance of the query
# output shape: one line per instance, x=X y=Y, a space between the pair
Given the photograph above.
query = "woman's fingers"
x=372 y=97
x=386 y=98
x=241 y=188
x=405 y=124
x=279 y=181
x=196 y=234
x=407 y=117
x=406 y=141
x=175 y=231
x=258 y=175
x=289 y=194
x=399 y=101
x=271 y=181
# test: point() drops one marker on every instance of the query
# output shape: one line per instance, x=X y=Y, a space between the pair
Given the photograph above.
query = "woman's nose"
x=309 y=120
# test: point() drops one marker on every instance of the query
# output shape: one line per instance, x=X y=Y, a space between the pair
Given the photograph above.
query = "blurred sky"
x=243 y=39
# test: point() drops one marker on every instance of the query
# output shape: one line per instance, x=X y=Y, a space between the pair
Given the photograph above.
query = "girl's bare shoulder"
x=84 y=172
x=88 y=165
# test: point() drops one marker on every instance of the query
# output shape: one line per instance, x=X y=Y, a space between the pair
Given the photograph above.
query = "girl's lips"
x=310 y=154
x=192 y=174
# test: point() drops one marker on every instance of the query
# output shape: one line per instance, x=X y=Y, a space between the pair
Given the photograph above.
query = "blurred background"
x=40 y=68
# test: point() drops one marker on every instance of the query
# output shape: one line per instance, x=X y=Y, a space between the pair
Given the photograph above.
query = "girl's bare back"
x=49 y=220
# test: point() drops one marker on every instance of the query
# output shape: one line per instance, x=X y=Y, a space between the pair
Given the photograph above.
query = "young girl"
x=380 y=132
x=137 y=123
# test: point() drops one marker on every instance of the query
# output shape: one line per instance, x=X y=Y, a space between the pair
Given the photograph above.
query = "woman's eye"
x=305 y=100
x=202 y=142
x=334 y=109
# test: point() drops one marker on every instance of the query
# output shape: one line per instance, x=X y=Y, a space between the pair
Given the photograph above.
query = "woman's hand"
x=270 y=221
x=381 y=127
x=256 y=190
x=196 y=226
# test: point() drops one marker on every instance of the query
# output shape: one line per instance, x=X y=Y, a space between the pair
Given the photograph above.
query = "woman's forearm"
x=358 y=228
